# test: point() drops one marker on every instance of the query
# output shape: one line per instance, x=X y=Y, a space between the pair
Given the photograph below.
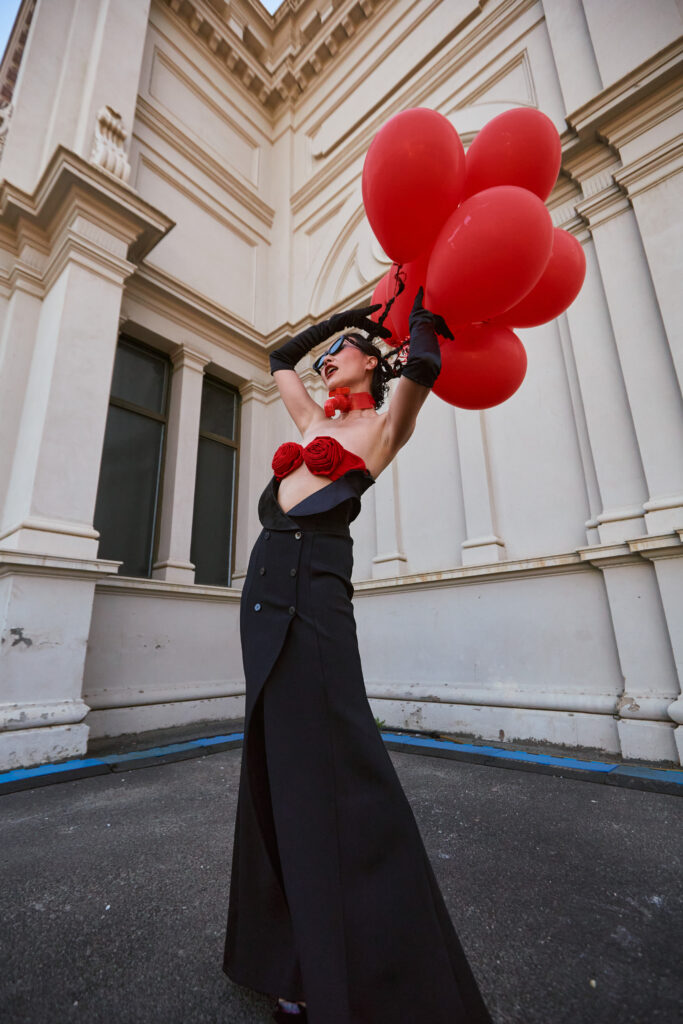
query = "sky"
x=8 y=12
x=270 y=5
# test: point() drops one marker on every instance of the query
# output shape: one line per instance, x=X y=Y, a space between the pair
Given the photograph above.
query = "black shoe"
x=282 y=1017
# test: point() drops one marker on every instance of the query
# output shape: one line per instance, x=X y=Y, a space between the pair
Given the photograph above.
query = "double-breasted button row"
x=298 y=534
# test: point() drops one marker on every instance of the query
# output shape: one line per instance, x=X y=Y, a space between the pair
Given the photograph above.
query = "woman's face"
x=348 y=367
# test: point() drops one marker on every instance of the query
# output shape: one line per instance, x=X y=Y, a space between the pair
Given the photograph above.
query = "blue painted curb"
x=633 y=776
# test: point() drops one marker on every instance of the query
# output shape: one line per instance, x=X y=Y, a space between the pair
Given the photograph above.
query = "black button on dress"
x=333 y=900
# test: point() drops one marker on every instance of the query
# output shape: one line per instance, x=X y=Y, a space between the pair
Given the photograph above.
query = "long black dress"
x=333 y=900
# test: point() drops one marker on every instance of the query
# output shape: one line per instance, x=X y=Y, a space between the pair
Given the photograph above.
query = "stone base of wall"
x=25 y=748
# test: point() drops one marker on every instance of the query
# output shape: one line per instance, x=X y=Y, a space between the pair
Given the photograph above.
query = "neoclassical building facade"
x=180 y=190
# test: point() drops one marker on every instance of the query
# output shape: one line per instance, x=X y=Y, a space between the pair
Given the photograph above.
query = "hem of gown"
x=243 y=983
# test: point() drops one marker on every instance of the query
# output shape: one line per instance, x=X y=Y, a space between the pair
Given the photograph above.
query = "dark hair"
x=383 y=372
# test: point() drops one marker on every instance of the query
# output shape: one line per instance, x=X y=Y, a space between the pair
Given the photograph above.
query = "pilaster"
x=180 y=468
x=255 y=457
x=666 y=555
x=390 y=559
x=483 y=543
x=71 y=245
x=613 y=443
x=654 y=185
x=646 y=731
x=642 y=346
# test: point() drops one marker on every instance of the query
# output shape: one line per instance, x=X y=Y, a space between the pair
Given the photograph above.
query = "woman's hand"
x=420 y=315
x=359 y=318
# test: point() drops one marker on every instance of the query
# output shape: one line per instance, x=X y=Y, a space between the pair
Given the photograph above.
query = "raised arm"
x=301 y=407
x=418 y=375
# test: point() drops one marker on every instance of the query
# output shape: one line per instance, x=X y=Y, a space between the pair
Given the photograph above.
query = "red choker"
x=340 y=398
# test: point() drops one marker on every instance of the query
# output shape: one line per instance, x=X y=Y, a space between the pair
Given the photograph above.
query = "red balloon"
x=489 y=254
x=557 y=288
x=382 y=294
x=413 y=176
x=414 y=275
x=483 y=366
x=520 y=147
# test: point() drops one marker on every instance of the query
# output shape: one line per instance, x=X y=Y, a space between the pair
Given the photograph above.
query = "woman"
x=333 y=902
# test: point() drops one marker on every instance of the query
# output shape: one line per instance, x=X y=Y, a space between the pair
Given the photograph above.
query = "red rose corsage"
x=323 y=455
x=286 y=459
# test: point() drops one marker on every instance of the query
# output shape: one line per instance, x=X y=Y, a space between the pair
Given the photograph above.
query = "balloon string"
x=398 y=288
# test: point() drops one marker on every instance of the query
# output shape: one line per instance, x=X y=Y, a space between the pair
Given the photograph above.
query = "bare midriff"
x=298 y=485
x=363 y=438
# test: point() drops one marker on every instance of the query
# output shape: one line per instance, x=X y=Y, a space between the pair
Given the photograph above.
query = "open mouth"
x=330 y=371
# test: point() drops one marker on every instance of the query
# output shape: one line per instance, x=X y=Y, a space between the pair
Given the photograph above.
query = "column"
x=654 y=184
x=390 y=559
x=668 y=567
x=180 y=468
x=256 y=453
x=646 y=731
x=483 y=543
x=649 y=377
x=84 y=223
x=20 y=324
x=613 y=442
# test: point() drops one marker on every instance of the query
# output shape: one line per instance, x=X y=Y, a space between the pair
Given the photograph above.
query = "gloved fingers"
x=376 y=329
x=358 y=317
x=418 y=299
x=441 y=327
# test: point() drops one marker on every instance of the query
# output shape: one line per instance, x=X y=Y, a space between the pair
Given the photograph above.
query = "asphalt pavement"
x=567 y=896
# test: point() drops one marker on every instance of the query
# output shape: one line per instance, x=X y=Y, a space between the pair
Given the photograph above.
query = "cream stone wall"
x=197 y=182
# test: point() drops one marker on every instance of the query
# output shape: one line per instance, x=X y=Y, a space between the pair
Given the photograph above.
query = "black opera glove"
x=288 y=355
x=424 y=355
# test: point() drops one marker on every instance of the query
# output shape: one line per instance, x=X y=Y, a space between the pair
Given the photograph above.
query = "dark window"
x=215 y=486
x=126 y=510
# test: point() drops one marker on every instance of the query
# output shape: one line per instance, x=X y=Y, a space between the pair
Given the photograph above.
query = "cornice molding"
x=187 y=358
x=134 y=586
x=652 y=85
x=68 y=177
x=246 y=41
x=414 y=89
x=602 y=206
x=165 y=294
x=663 y=162
x=28 y=563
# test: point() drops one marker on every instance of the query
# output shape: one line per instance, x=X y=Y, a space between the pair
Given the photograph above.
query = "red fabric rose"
x=323 y=455
x=287 y=458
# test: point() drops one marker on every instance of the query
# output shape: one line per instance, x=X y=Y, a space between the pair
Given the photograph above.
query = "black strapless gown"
x=333 y=900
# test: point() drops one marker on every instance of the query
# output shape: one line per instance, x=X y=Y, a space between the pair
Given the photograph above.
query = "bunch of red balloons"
x=474 y=231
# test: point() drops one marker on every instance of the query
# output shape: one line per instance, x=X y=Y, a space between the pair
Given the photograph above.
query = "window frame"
x=122 y=403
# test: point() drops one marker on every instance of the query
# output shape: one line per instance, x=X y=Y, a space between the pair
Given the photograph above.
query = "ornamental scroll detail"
x=6 y=111
x=108 y=151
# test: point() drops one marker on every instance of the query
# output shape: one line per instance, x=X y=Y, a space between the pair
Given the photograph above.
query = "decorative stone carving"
x=108 y=151
x=6 y=111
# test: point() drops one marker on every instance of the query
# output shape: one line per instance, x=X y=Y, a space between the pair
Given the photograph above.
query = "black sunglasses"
x=334 y=347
